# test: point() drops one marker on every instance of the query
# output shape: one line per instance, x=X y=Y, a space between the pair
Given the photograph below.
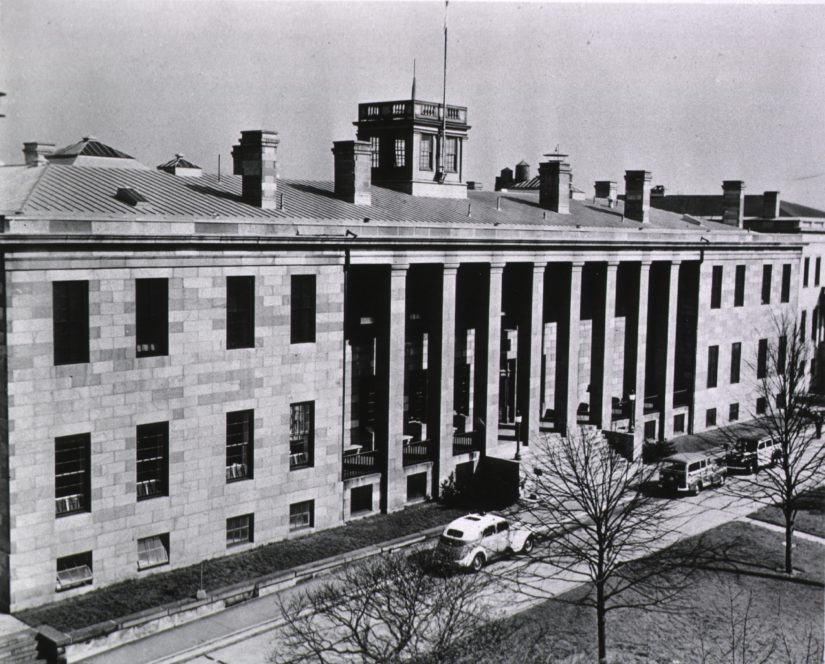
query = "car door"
x=503 y=536
x=488 y=541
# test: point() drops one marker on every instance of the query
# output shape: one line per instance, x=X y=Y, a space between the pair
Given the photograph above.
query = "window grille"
x=301 y=434
x=239 y=530
x=239 y=444
x=152 y=460
x=302 y=515
x=71 y=474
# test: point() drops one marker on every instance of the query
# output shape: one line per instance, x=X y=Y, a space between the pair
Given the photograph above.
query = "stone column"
x=670 y=351
x=532 y=412
x=606 y=418
x=443 y=438
x=574 y=316
x=490 y=416
x=396 y=495
x=641 y=359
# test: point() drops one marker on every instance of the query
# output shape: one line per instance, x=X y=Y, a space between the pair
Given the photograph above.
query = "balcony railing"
x=464 y=442
x=416 y=452
x=407 y=109
x=361 y=463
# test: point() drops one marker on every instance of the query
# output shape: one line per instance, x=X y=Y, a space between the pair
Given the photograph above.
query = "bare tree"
x=600 y=514
x=790 y=419
x=387 y=609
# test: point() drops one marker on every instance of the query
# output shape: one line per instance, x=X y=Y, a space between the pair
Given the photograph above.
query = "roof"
x=89 y=146
x=689 y=457
x=709 y=205
x=474 y=523
x=89 y=192
x=178 y=162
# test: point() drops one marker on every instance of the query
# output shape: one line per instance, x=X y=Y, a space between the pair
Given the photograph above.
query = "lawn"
x=809 y=519
x=147 y=592
x=561 y=630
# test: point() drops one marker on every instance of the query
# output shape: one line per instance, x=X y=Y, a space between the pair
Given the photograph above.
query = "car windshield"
x=747 y=445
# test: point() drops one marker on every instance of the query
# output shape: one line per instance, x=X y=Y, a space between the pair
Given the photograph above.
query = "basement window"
x=302 y=515
x=74 y=571
x=153 y=551
x=239 y=530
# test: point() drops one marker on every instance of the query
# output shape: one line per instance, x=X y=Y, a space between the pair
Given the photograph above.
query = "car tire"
x=478 y=562
x=528 y=544
x=754 y=467
x=722 y=479
x=699 y=488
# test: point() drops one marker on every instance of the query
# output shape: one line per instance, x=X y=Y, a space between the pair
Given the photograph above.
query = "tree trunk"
x=789 y=526
x=600 y=622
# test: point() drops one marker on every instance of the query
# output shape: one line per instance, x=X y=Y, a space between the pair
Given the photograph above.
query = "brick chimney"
x=255 y=159
x=770 y=204
x=637 y=195
x=605 y=189
x=35 y=153
x=353 y=171
x=554 y=184
x=733 y=202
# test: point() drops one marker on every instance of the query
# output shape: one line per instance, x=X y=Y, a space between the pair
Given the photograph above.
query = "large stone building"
x=194 y=364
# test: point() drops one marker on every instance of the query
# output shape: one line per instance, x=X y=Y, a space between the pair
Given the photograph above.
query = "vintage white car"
x=476 y=539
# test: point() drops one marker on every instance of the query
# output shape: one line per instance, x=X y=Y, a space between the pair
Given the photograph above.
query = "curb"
x=109 y=634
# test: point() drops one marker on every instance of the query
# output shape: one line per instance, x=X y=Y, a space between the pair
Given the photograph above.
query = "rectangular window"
x=733 y=412
x=70 y=311
x=302 y=314
x=710 y=417
x=239 y=444
x=302 y=515
x=679 y=423
x=451 y=155
x=301 y=441
x=151 y=317
x=803 y=320
x=786 y=283
x=74 y=571
x=716 y=287
x=762 y=359
x=806 y=267
x=240 y=312
x=72 y=472
x=375 y=150
x=152 y=460
x=153 y=551
x=361 y=499
x=713 y=365
x=814 y=323
x=739 y=287
x=400 y=152
x=416 y=486
x=761 y=406
x=813 y=368
x=240 y=530
x=817 y=268
x=735 y=361
x=425 y=155
x=780 y=400
x=781 y=352
x=767 y=270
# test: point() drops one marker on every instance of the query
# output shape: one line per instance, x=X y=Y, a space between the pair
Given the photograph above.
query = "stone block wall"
x=192 y=388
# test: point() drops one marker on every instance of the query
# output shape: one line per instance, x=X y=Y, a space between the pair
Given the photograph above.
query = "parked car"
x=752 y=452
x=474 y=540
x=692 y=472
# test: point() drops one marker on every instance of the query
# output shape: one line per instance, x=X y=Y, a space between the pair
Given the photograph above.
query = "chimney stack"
x=353 y=171
x=554 y=184
x=733 y=202
x=255 y=159
x=770 y=204
x=606 y=189
x=637 y=195
x=35 y=153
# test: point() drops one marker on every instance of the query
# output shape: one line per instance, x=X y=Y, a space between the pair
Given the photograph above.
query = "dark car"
x=752 y=452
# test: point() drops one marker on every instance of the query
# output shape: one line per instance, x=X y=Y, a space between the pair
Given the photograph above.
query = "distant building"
x=194 y=365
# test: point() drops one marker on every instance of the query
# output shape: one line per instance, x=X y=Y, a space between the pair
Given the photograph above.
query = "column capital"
x=397 y=268
x=450 y=267
x=577 y=265
x=646 y=263
x=677 y=262
x=613 y=264
x=539 y=267
x=497 y=267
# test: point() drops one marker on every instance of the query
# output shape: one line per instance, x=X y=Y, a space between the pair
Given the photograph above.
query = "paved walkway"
x=798 y=534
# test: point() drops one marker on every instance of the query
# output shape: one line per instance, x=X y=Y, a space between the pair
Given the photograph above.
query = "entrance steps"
x=18 y=641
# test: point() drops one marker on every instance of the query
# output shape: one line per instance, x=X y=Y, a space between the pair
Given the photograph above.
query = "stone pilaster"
x=574 y=319
x=606 y=416
x=490 y=416
x=396 y=494
x=532 y=413
x=670 y=351
x=443 y=438
x=641 y=359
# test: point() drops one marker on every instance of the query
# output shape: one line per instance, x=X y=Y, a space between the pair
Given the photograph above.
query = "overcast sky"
x=695 y=94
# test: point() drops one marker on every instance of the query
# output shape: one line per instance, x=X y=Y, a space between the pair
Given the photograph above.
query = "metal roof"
x=178 y=162
x=89 y=146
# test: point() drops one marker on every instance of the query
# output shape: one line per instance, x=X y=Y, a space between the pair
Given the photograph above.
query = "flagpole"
x=443 y=141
